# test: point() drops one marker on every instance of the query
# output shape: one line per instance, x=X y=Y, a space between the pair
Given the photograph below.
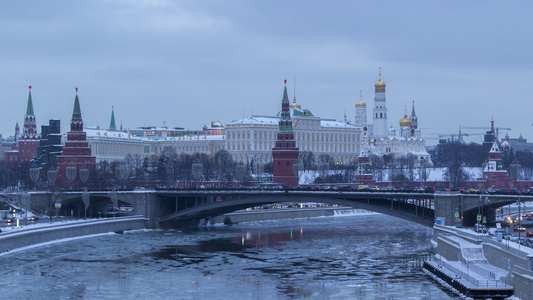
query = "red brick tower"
x=76 y=152
x=25 y=147
x=494 y=173
x=285 y=153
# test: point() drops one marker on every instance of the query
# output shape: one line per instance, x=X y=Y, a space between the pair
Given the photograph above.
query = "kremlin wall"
x=256 y=140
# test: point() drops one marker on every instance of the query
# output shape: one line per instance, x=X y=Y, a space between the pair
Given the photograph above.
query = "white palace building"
x=252 y=138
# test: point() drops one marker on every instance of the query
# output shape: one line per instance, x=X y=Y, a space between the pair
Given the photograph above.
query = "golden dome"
x=405 y=121
x=361 y=103
x=380 y=83
x=295 y=104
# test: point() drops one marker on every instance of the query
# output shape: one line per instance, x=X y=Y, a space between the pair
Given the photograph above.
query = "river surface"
x=348 y=257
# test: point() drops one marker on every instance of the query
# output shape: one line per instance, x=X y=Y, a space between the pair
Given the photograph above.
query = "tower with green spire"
x=76 y=153
x=414 y=120
x=285 y=153
x=27 y=142
x=112 y=126
x=29 y=130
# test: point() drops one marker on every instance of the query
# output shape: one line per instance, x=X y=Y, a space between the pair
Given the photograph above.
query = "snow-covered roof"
x=101 y=133
x=331 y=123
x=256 y=120
x=193 y=138
x=268 y=120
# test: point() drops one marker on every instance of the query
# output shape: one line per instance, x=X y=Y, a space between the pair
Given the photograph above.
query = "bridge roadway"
x=165 y=207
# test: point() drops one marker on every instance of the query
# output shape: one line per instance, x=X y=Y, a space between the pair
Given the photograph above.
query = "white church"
x=379 y=140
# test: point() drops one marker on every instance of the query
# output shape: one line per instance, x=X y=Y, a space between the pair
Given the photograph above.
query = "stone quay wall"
x=518 y=262
x=26 y=237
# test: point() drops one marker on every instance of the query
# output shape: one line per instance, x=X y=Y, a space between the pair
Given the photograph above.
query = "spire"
x=285 y=123
x=294 y=90
x=414 y=122
x=380 y=83
x=76 y=113
x=285 y=95
x=17 y=131
x=112 y=126
x=492 y=127
x=29 y=109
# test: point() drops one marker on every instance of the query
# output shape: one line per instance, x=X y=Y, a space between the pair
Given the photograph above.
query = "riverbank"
x=12 y=238
x=476 y=254
x=15 y=238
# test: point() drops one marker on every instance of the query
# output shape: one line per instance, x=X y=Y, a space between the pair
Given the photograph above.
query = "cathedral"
x=395 y=142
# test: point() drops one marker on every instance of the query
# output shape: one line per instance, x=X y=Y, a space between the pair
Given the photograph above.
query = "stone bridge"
x=447 y=204
x=168 y=207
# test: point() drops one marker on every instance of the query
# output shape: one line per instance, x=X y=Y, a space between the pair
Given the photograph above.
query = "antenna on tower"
x=295 y=88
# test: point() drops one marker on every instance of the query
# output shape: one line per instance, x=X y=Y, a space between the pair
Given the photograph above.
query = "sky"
x=187 y=63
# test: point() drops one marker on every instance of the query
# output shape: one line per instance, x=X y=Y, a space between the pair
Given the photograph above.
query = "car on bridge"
x=519 y=228
x=480 y=228
x=10 y=221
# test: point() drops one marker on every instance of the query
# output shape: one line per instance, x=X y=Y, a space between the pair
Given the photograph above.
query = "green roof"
x=112 y=126
x=29 y=109
x=285 y=96
x=76 y=114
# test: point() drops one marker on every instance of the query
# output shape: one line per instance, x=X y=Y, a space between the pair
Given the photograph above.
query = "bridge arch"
x=396 y=208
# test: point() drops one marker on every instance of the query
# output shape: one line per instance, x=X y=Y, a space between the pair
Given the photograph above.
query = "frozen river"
x=348 y=257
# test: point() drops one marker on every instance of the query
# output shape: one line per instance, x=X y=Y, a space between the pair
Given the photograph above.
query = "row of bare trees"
x=169 y=167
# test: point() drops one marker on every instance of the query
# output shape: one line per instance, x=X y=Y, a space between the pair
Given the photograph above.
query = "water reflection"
x=324 y=258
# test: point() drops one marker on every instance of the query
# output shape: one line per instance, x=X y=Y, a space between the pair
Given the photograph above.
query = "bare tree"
x=224 y=166
x=306 y=160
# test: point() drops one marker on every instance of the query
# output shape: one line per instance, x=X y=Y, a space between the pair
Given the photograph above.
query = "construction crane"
x=458 y=136
x=497 y=129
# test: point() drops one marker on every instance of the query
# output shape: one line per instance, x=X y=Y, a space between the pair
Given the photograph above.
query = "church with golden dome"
x=382 y=140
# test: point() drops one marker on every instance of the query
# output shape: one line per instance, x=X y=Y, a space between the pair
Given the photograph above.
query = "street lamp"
x=84 y=176
x=51 y=176
x=295 y=172
x=322 y=166
x=196 y=170
x=519 y=221
x=240 y=171
x=34 y=175
x=121 y=173
x=71 y=174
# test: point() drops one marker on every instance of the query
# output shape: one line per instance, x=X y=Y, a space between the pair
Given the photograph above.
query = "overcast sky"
x=188 y=63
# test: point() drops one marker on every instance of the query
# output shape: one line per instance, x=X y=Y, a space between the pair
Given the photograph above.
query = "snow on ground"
x=53 y=242
x=435 y=174
x=352 y=212
x=32 y=225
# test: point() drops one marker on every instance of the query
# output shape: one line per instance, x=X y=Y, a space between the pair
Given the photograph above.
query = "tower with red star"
x=25 y=146
x=76 y=152
x=285 y=153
